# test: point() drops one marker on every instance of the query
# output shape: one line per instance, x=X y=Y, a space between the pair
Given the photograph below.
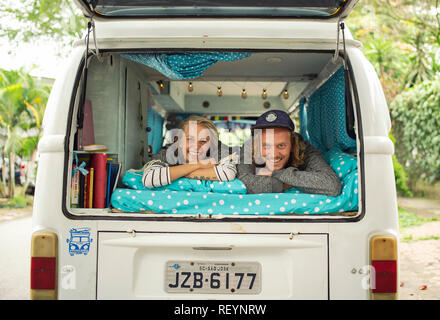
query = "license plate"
x=213 y=277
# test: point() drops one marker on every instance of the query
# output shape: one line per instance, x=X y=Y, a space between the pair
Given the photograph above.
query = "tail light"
x=383 y=252
x=43 y=265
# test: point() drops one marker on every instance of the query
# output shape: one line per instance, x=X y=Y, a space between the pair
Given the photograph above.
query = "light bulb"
x=190 y=87
x=285 y=94
x=244 y=94
x=264 y=94
x=219 y=91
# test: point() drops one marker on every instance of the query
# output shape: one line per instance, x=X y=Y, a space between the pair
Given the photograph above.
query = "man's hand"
x=264 y=172
x=286 y=187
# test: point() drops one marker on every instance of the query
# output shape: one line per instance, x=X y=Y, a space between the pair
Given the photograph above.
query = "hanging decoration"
x=183 y=65
x=285 y=94
x=219 y=91
x=190 y=87
x=244 y=94
x=264 y=94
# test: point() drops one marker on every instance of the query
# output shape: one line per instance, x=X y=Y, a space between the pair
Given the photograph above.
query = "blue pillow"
x=341 y=162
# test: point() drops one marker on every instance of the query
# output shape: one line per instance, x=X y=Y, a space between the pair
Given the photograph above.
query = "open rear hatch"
x=296 y=9
x=144 y=265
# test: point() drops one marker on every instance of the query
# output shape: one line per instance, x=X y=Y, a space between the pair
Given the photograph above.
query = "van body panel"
x=127 y=252
x=374 y=110
x=144 y=256
x=220 y=29
x=57 y=108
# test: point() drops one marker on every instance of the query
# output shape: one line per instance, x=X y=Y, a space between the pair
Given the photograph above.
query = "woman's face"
x=276 y=145
x=196 y=142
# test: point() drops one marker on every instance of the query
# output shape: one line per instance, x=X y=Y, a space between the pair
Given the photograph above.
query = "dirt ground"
x=9 y=214
x=419 y=259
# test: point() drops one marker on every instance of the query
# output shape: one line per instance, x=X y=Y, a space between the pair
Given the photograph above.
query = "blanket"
x=192 y=196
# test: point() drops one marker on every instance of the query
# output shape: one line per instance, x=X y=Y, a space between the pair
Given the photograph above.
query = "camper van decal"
x=79 y=242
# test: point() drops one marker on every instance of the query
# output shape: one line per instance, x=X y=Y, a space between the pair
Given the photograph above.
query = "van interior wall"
x=121 y=99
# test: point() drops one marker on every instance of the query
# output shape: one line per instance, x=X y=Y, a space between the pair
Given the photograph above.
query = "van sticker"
x=79 y=241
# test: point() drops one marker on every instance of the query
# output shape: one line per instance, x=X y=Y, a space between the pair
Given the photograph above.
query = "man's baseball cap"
x=274 y=119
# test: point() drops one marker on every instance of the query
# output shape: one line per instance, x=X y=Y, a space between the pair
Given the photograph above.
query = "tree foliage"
x=416 y=114
x=402 y=40
x=29 y=20
x=22 y=104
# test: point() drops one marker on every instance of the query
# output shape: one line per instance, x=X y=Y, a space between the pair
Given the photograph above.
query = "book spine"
x=86 y=189
x=81 y=191
x=108 y=193
x=98 y=162
x=91 y=182
x=74 y=189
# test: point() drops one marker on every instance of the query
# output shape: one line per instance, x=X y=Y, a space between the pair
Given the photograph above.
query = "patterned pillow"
x=341 y=162
x=133 y=180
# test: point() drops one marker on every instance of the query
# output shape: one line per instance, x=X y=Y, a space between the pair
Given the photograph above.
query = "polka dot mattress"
x=192 y=196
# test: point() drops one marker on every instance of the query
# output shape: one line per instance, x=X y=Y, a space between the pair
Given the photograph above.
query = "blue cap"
x=274 y=119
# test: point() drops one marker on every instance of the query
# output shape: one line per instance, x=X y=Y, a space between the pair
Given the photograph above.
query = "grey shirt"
x=315 y=176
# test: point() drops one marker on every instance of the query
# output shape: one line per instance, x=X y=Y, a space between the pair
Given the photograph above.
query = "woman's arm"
x=159 y=174
x=221 y=172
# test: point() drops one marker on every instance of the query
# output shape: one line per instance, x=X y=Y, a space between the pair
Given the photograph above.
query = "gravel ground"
x=420 y=259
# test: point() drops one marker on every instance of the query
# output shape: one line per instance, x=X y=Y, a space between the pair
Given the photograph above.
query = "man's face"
x=276 y=147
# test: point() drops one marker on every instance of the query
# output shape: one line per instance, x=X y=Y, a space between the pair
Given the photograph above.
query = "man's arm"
x=318 y=177
x=257 y=183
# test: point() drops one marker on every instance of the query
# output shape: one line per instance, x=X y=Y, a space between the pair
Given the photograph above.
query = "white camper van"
x=142 y=68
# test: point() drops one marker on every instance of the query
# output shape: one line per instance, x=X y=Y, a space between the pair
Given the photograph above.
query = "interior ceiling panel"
x=263 y=66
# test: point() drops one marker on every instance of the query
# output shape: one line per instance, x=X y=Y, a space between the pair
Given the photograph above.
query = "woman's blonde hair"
x=208 y=124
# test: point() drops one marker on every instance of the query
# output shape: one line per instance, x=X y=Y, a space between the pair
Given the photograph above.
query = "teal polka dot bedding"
x=192 y=196
x=323 y=118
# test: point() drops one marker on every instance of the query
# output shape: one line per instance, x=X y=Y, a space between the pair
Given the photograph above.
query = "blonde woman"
x=193 y=155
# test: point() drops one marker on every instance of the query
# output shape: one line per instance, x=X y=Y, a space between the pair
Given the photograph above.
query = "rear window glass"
x=225 y=8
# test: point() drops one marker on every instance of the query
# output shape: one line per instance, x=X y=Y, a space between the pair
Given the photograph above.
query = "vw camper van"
x=141 y=69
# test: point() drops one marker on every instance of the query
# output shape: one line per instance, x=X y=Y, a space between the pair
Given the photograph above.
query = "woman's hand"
x=207 y=163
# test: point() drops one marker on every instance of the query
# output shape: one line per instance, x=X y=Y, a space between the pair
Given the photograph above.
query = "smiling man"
x=282 y=159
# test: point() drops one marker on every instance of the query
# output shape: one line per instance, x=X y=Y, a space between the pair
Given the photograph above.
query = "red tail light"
x=383 y=258
x=43 y=273
x=44 y=251
x=385 y=277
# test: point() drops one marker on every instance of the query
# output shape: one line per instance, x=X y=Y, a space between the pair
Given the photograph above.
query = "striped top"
x=157 y=173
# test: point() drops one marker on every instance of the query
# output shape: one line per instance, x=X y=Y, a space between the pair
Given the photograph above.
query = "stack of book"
x=94 y=188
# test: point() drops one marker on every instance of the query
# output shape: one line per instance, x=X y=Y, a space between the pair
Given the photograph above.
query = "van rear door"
x=154 y=265
x=293 y=9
